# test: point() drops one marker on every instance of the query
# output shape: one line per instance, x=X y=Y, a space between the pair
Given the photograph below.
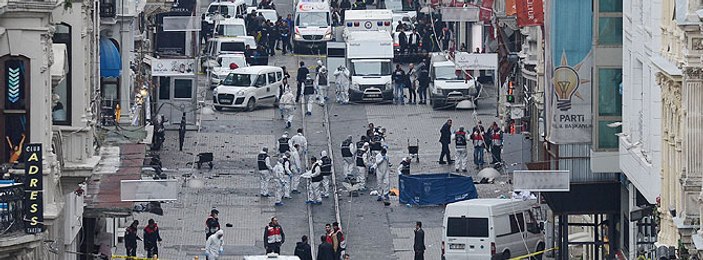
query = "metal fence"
x=11 y=208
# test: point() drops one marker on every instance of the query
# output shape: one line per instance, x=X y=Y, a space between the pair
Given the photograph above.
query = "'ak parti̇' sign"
x=33 y=199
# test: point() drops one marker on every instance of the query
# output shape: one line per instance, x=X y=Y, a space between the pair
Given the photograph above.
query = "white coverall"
x=265 y=177
x=214 y=245
x=321 y=89
x=349 y=161
x=361 y=170
x=287 y=104
x=462 y=155
x=278 y=175
x=303 y=144
x=296 y=168
x=341 y=78
x=383 y=180
x=314 y=188
x=287 y=178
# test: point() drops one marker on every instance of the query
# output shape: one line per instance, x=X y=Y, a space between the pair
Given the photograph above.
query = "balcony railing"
x=11 y=207
x=107 y=8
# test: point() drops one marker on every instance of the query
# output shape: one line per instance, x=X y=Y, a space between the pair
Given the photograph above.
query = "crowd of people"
x=490 y=140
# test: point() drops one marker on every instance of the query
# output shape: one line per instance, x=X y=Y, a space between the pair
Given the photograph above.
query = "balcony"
x=11 y=207
x=108 y=8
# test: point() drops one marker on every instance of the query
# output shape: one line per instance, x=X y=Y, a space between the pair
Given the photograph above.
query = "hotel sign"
x=33 y=185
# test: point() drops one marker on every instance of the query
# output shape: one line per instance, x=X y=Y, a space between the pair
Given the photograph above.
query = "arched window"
x=61 y=93
x=14 y=107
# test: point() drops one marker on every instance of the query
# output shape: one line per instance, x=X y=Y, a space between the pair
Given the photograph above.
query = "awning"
x=60 y=66
x=110 y=59
x=117 y=164
x=586 y=198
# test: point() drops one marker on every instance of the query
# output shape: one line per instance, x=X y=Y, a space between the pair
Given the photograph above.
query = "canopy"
x=110 y=60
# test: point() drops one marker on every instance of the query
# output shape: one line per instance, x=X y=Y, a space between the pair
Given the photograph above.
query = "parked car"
x=249 y=88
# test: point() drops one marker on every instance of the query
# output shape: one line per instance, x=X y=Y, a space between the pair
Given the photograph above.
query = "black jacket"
x=302 y=74
x=325 y=251
x=419 y=240
x=445 y=136
x=130 y=237
x=302 y=251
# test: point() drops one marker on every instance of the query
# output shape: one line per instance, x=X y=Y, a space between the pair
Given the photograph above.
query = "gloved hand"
x=221 y=250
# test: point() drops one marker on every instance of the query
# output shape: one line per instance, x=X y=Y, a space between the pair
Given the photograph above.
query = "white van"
x=490 y=229
x=368 y=20
x=313 y=24
x=228 y=9
x=248 y=88
x=370 y=61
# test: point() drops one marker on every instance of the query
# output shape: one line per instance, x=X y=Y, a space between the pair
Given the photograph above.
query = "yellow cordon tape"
x=534 y=254
x=131 y=257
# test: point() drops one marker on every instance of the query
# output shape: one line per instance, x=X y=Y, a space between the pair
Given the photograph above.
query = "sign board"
x=476 y=61
x=181 y=23
x=33 y=185
x=148 y=190
x=173 y=67
x=539 y=180
x=460 y=14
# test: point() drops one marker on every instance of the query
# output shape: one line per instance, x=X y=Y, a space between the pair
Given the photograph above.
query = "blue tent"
x=110 y=59
x=436 y=189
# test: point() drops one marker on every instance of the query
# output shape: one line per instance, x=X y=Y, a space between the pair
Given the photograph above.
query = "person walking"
x=423 y=80
x=341 y=79
x=321 y=82
x=419 y=245
x=496 y=143
x=214 y=246
x=296 y=168
x=212 y=223
x=362 y=160
x=301 y=141
x=303 y=250
x=182 y=132
x=325 y=251
x=152 y=238
x=326 y=172
x=412 y=84
x=445 y=135
x=315 y=180
x=342 y=243
x=274 y=237
x=263 y=162
x=302 y=75
x=383 y=183
x=460 y=137
x=130 y=238
x=278 y=175
x=331 y=237
x=479 y=146
x=348 y=149
x=399 y=81
x=287 y=104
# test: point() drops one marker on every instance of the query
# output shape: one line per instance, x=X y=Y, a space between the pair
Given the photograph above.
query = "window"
x=182 y=88
x=61 y=93
x=261 y=80
x=610 y=6
x=609 y=92
x=517 y=223
x=164 y=88
x=14 y=107
x=279 y=76
x=606 y=135
x=467 y=227
x=272 y=77
x=610 y=30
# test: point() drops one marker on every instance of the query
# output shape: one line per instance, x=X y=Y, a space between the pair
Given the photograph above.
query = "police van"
x=228 y=9
x=368 y=20
x=312 y=25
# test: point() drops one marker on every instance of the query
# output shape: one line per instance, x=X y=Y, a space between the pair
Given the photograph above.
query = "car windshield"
x=467 y=227
x=242 y=80
x=371 y=68
x=226 y=61
x=446 y=73
x=217 y=8
x=400 y=5
x=313 y=19
x=232 y=47
x=231 y=30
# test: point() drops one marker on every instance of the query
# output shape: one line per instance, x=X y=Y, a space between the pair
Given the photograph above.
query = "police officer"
x=348 y=149
x=460 y=137
x=315 y=180
x=361 y=158
x=283 y=145
x=382 y=175
x=404 y=166
x=264 y=166
x=278 y=175
x=376 y=145
x=326 y=171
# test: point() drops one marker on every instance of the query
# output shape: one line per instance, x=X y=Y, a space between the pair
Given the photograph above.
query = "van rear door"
x=467 y=236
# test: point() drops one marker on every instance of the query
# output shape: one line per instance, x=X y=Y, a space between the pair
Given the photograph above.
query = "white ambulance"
x=370 y=60
x=313 y=25
x=368 y=20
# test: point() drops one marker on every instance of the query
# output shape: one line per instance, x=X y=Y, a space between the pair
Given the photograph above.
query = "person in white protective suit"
x=263 y=163
x=288 y=175
x=383 y=181
x=321 y=82
x=341 y=78
x=302 y=142
x=296 y=168
x=462 y=155
x=214 y=245
x=326 y=171
x=287 y=105
x=315 y=178
x=361 y=160
x=348 y=150
x=278 y=175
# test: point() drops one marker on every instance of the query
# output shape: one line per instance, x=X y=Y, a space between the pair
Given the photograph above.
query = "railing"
x=107 y=8
x=11 y=208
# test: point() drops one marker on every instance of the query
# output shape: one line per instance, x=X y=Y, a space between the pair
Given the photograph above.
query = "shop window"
x=610 y=30
x=182 y=88
x=606 y=135
x=61 y=93
x=14 y=107
x=609 y=92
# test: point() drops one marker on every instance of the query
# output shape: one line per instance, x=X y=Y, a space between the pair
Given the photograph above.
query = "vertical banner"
x=569 y=60
x=530 y=12
x=486 y=11
x=33 y=185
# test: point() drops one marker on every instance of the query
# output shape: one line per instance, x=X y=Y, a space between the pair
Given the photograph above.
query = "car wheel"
x=540 y=247
x=218 y=108
x=506 y=255
x=251 y=105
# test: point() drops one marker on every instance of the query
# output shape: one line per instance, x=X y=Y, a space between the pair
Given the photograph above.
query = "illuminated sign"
x=33 y=185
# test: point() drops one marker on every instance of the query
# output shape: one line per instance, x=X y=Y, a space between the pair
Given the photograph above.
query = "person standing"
x=321 y=82
x=302 y=249
x=273 y=36
x=284 y=31
x=283 y=145
x=274 y=237
x=263 y=162
x=412 y=77
x=315 y=180
x=460 y=137
x=330 y=237
x=382 y=175
x=325 y=251
x=151 y=239
x=348 y=150
x=212 y=223
x=361 y=158
x=278 y=175
x=287 y=177
x=296 y=168
x=445 y=135
x=301 y=141
x=302 y=75
x=326 y=171
x=287 y=104
x=182 y=132
x=402 y=38
x=404 y=166
x=399 y=81
x=341 y=78
x=479 y=146
x=130 y=238
x=419 y=245
x=423 y=80
x=214 y=245
x=342 y=243
x=496 y=143
x=413 y=41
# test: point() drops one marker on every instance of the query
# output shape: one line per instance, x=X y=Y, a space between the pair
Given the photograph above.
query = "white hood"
x=222 y=89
